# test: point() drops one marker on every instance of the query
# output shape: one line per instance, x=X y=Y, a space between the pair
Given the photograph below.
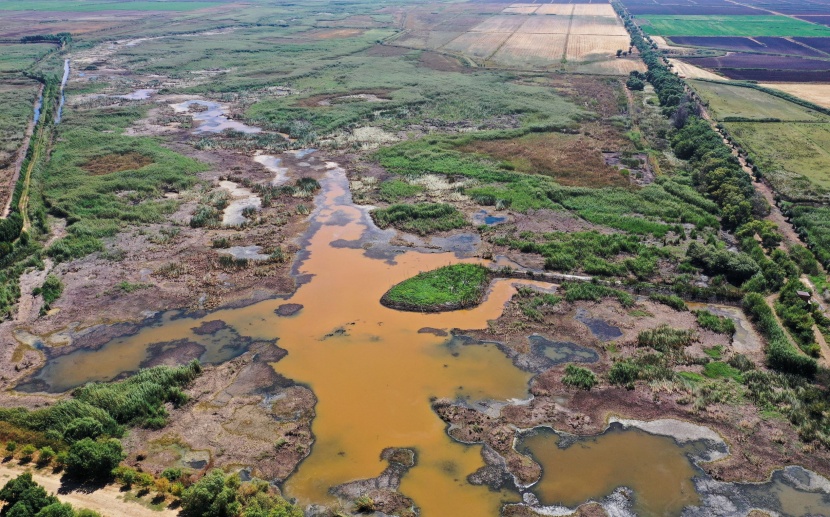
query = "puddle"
x=242 y=199
x=273 y=164
x=483 y=217
x=583 y=469
x=601 y=329
x=213 y=119
x=138 y=95
x=559 y=352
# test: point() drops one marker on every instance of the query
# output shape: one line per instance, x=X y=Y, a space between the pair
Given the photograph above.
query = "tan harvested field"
x=500 y=23
x=622 y=66
x=546 y=25
x=600 y=25
x=815 y=93
x=533 y=35
x=531 y=49
x=521 y=9
x=478 y=44
x=594 y=10
x=694 y=72
x=560 y=9
x=591 y=48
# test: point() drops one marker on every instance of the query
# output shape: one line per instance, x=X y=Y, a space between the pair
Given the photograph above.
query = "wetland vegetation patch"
x=116 y=162
x=448 y=288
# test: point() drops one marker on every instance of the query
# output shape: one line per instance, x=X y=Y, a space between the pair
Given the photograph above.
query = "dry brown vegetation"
x=570 y=159
x=110 y=163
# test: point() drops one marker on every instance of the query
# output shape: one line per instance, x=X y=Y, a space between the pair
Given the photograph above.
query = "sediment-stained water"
x=655 y=467
x=371 y=370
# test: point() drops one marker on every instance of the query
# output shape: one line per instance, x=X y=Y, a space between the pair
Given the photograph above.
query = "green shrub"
x=624 y=373
x=579 y=377
x=666 y=339
x=715 y=323
x=420 y=218
x=576 y=291
x=673 y=301
x=51 y=290
x=780 y=353
x=93 y=459
x=717 y=369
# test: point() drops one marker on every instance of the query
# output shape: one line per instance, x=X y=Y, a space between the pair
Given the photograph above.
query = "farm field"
x=347 y=258
x=766 y=45
x=815 y=93
x=688 y=71
x=727 y=101
x=535 y=36
x=795 y=157
x=730 y=26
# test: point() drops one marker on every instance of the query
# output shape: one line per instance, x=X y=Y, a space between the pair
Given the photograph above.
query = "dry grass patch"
x=586 y=48
x=110 y=163
x=500 y=23
x=334 y=33
x=598 y=25
x=687 y=71
x=546 y=25
x=815 y=93
x=521 y=9
x=556 y=9
x=532 y=49
x=325 y=99
x=594 y=10
x=478 y=44
x=573 y=160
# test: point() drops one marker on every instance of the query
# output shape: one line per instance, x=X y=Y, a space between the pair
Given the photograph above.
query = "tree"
x=57 y=510
x=212 y=496
x=24 y=497
x=80 y=428
x=88 y=458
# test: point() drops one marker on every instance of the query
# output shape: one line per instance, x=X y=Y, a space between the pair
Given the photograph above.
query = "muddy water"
x=655 y=467
x=213 y=119
x=373 y=376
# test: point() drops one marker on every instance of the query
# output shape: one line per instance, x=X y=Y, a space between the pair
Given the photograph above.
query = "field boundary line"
x=488 y=58
x=568 y=35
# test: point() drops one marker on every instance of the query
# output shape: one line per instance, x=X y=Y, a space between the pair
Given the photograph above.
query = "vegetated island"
x=449 y=288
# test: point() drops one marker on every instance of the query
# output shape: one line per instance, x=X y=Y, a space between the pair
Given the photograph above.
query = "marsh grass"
x=446 y=288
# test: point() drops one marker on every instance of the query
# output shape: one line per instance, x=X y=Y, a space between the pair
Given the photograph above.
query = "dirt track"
x=108 y=501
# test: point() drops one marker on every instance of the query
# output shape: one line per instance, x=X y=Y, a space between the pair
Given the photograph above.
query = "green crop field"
x=16 y=57
x=86 y=6
x=793 y=156
x=730 y=26
x=727 y=101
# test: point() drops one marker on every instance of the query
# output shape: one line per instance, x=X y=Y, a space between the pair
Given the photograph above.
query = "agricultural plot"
x=521 y=9
x=594 y=10
x=687 y=71
x=478 y=44
x=546 y=25
x=591 y=47
x=500 y=23
x=426 y=39
x=793 y=156
x=760 y=61
x=727 y=101
x=16 y=57
x=556 y=9
x=765 y=45
x=821 y=44
x=598 y=25
x=531 y=49
x=730 y=26
x=815 y=93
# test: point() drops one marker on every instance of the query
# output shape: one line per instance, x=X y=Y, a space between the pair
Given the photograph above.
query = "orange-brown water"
x=373 y=384
x=655 y=467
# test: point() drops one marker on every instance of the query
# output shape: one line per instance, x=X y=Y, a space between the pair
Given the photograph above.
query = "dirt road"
x=108 y=501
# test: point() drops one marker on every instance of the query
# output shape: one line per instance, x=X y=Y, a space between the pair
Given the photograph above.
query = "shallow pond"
x=655 y=467
x=213 y=119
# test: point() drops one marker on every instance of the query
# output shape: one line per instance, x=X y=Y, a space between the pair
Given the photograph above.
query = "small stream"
x=63 y=87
